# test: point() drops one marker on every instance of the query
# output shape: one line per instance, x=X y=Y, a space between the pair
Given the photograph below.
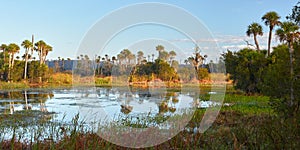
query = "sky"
x=65 y=24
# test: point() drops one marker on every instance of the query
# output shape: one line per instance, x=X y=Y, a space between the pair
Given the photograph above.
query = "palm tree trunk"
x=9 y=67
x=256 y=43
x=291 y=50
x=26 y=62
x=41 y=56
x=12 y=61
x=269 y=41
x=26 y=101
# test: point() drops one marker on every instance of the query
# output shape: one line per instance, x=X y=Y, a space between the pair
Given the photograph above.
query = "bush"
x=37 y=72
x=245 y=68
x=103 y=81
x=61 y=78
x=203 y=74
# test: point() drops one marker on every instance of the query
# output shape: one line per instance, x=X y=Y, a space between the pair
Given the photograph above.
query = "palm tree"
x=255 y=29
x=152 y=57
x=43 y=49
x=172 y=55
x=140 y=56
x=130 y=58
x=63 y=64
x=114 y=59
x=127 y=56
x=12 y=49
x=148 y=60
x=3 y=47
x=186 y=61
x=40 y=47
x=48 y=49
x=27 y=45
x=288 y=32
x=160 y=49
x=271 y=19
x=120 y=57
x=106 y=57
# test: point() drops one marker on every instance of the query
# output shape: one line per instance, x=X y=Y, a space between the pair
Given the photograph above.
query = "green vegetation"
x=275 y=74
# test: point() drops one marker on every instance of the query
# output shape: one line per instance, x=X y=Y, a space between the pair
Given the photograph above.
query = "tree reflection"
x=165 y=100
x=25 y=100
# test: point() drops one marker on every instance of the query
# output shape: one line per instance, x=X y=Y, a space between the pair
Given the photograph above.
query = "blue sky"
x=63 y=24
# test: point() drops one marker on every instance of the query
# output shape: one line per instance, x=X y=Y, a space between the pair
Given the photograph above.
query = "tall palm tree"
x=27 y=45
x=3 y=47
x=160 y=49
x=288 y=32
x=12 y=49
x=152 y=57
x=121 y=58
x=148 y=60
x=40 y=48
x=48 y=49
x=255 y=29
x=140 y=56
x=114 y=59
x=172 y=55
x=43 y=49
x=271 y=19
x=128 y=56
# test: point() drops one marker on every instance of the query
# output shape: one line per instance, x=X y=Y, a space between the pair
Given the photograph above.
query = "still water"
x=97 y=103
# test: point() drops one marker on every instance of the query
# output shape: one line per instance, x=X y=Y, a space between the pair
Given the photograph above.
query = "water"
x=93 y=105
x=97 y=103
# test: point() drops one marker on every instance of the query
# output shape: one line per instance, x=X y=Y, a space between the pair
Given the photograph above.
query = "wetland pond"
x=96 y=104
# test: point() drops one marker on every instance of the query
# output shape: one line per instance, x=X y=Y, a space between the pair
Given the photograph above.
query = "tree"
x=114 y=59
x=43 y=49
x=276 y=80
x=12 y=49
x=271 y=19
x=197 y=60
x=126 y=56
x=160 y=49
x=140 y=56
x=27 y=45
x=163 y=55
x=295 y=16
x=172 y=55
x=255 y=29
x=148 y=60
x=40 y=48
x=3 y=47
x=288 y=32
x=152 y=57
x=245 y=68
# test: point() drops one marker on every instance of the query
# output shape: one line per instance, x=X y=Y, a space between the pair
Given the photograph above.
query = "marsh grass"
x=13 y=85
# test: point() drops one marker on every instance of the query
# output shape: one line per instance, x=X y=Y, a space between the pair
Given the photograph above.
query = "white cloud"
x=233 y=42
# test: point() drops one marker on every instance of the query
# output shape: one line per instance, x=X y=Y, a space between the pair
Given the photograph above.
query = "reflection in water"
x=98 y=102
x=43 y=107
x=11 y=107
x=24 y=100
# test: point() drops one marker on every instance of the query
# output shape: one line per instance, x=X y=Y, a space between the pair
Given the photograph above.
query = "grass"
x=13 y=85
x=250 y=123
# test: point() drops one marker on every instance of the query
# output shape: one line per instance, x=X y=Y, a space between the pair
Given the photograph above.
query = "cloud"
x=233 y=42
